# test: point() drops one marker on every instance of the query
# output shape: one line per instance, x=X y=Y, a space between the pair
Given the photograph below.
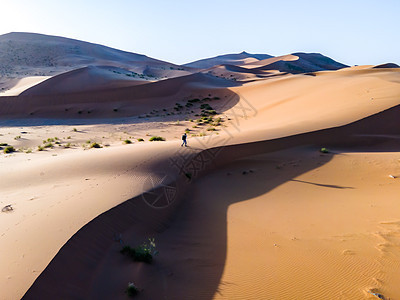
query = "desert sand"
x=252 y=209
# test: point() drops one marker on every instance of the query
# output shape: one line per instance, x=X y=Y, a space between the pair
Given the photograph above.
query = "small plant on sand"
x=144 y=252
x=95 y=145
x=156 y=138
x=40 y=148
x=324 y=150
x=210 y=129
x=131 y=290
x=3 y=144
x=49 y=145
x=140 y=140
x=68 y=145
x=9 y=149
x=128 y=142
x=17 y=137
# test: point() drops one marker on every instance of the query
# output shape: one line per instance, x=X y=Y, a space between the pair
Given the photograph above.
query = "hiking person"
x=184 y=136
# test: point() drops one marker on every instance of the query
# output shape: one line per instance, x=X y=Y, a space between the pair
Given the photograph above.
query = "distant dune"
x=15 y=86
x=86 y=79
x=297 y=63
x=33 y=54
x=230 y=59
x=387 y=66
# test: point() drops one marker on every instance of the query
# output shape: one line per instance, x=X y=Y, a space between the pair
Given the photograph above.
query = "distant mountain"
x=227 y=59
x=24 y=54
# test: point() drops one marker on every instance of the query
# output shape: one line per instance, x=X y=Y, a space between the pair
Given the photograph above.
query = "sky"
x=354 y=32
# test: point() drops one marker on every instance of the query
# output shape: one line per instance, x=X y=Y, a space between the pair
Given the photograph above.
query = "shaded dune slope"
x=128 y=101
x=83 y=256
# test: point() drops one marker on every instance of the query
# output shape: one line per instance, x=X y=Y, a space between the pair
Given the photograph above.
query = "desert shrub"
x=95 y=145
x=324 y=150
x=68 y=145
x=40 y=148
x=211 y=129
x=75 y=130
x=205 y=106
x=156 y=138
x=140 y=140
x=128 y=142
x=143 y=252
x=3 y=144
x=131 y=290
x=48 y=145
x=9 y=149
x=17 y=137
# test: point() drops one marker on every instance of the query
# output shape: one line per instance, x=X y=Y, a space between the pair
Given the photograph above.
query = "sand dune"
x=210 y=235
x=387 y=66
x=31 y=54
x=14 y=87
x=230 y=59
x=271 y=60
x=252 y=209
x=115 y=102
x=86 y=79
x=297 y=63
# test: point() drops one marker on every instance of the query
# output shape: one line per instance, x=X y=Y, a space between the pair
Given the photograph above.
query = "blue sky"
x=352 y=31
